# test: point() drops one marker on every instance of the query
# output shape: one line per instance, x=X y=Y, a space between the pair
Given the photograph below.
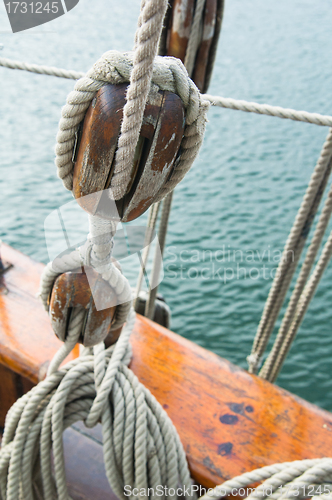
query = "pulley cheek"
x=157 y=152
x=85 y=290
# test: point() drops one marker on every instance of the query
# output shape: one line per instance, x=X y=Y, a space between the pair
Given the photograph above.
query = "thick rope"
x=291 y=253
x=283 y=338
x=146 y=46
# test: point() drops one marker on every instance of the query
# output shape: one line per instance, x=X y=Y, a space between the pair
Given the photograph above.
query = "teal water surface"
x=232 y=213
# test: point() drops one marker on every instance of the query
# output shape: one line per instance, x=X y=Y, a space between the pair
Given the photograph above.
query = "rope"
x=40 y=69
x=291 y=253
x=267 y=109
x=140 y=443
x=284 y=338
x=223 y=102
x=152 y=221
x=146 y=46
x=278 y=479
x=275 y=363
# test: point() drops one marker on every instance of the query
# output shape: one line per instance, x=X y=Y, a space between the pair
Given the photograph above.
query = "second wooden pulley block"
x=156 y=152
x=74 y=290
x=177 y=31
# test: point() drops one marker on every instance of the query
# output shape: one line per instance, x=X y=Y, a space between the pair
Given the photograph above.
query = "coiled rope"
x=141 y=446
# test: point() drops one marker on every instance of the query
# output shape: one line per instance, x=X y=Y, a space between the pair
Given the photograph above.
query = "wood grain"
x=182 y=17
x=160 y=137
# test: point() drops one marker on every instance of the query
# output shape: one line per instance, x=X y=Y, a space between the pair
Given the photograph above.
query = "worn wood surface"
x=87 y=290
x=178 y=36
x=160 y=138
x=229 y=421
x=202 y=58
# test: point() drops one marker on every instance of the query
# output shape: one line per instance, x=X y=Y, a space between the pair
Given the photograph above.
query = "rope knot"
x=78 y=287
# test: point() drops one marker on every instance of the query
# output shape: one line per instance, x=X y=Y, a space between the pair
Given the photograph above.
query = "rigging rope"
x=267 y=109
x=291 y=254
x=223 y=102
x=301 y=309
x=285 y=337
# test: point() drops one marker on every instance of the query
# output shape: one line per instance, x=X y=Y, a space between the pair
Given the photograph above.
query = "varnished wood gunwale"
x=229 y=421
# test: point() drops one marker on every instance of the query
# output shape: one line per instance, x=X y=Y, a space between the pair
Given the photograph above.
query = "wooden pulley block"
x=180 y=21
x=202 y=58
x=156 y=152
x=73 y=289
x=176 y=34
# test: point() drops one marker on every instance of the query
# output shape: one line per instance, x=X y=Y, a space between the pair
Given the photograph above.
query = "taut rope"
x=285 y=336
x=222 y=102
x=292 y=253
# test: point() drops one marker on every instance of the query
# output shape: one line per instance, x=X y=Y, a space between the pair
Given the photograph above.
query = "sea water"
x=232 y=213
